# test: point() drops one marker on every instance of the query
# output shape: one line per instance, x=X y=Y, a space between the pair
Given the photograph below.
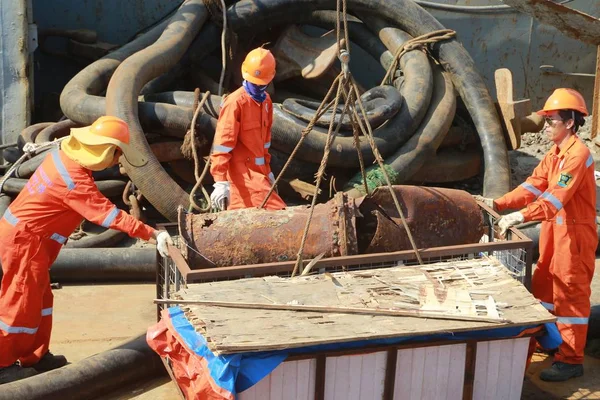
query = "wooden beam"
x=596 y=104
x=394 y=312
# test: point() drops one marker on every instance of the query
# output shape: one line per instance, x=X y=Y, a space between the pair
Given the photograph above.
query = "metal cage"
x=515 y=253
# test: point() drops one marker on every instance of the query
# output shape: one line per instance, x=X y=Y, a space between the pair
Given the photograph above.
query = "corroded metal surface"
x=436 y=217
x=574 y=23
x=253 y=236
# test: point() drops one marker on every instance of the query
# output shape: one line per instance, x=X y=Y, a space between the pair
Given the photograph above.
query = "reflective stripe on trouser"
x=562 y=279
x=25 y=298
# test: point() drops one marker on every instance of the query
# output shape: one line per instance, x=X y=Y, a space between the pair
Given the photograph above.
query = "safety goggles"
x=552 y=122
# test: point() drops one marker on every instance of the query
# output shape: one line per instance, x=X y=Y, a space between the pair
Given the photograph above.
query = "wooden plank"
x=481 y=371
x=404 y=368
x=493 y=369
x=276 y=387
x=290 y=380
x=418 y=372
x=517 y=370
x=354 y=376
x=504 y=369
x=595 y=112
x=342 y=310
x=431 y=366
x=457 y=371
x=231 y=330
x=305 y=384
x=441 y=373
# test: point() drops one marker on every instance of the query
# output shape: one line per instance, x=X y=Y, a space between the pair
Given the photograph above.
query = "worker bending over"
x=240 y=156
x=56 y=199
x=561 y=193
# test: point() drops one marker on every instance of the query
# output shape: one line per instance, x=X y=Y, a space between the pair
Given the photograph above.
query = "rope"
x=369 y=134
x=331 y=134
x=223 y=48
x=199 y=178
x=29 y=150
x=322 y=109
x=418 y=43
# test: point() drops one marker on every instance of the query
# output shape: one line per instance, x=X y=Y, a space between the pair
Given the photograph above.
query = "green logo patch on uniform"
x=564 y=179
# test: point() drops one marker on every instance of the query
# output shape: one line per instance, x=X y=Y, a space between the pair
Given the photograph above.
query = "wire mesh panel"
x=514 y=252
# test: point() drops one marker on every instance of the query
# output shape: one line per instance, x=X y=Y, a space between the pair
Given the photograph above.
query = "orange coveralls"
x=32 y=231
x=561 y=192
x=241 y=151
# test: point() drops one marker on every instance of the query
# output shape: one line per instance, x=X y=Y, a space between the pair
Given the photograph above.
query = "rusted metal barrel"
x=253 y=236
x=436 y=217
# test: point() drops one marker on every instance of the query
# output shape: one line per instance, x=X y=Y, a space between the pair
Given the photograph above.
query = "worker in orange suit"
x=561 y=192
x=240 y=156
x=56 y=199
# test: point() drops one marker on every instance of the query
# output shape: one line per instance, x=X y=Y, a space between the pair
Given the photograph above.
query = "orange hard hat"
x=109 y=130
x=564 y=99
x=259 y=67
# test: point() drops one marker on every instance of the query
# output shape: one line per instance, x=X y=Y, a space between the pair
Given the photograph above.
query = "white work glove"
x=220 y=196
x=509 y=220
x=485 y=200
x=271 y=178
x=163 y=240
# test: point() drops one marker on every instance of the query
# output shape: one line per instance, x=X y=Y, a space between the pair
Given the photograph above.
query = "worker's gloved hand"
x=163 y=240
x=509 y=220
x=271 y=178
x=485 y=200
x=220 y=196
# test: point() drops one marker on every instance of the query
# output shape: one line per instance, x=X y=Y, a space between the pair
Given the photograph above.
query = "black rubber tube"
x=27 y=168
x=104 y=265
x=91 y=378
x=108 y=238
x=413 y=19
x=380 y=103
x=55 y=131
x=414 y=154
x=207 y=40
x=30 y=133
x=121 y=100
x=4 y=203
x=79 y=99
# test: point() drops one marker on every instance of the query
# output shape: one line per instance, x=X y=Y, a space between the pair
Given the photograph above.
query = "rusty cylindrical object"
x=254 y=236
x=436 y=217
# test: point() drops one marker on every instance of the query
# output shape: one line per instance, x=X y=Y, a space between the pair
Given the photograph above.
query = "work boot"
x=561 y=372
x=14 y=373
x=49 y=362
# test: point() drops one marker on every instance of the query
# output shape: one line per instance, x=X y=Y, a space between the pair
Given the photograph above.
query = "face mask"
x=257 y=92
